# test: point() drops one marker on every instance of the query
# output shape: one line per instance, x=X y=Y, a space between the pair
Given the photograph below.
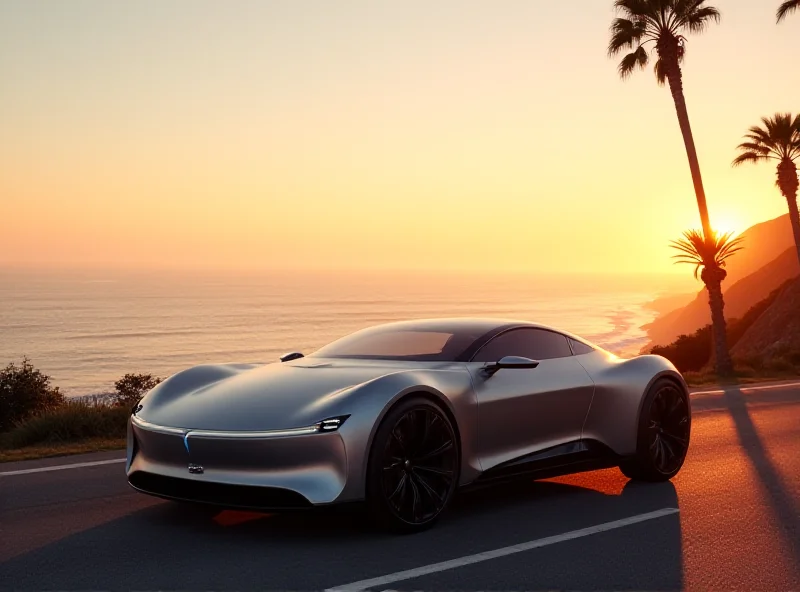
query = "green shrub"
x=24 y=390
x=689 y=353
x=132 y=387
x=69 y=422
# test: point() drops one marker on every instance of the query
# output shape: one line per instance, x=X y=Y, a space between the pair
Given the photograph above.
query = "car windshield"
x=395 y=343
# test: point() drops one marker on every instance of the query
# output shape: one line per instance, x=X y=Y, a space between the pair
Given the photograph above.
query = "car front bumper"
x=266 y=470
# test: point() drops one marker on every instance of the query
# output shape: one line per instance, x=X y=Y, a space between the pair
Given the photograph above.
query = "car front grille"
x=221 y=494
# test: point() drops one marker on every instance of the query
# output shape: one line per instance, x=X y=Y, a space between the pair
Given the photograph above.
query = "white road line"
x=718 y=392
x=746 y=388
x=502 y=552
x=62 y=467
x=769 y=387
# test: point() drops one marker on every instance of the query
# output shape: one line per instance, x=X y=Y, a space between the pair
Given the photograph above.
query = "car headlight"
x=332 y=424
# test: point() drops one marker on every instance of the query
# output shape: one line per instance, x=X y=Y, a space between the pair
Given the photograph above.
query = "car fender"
x=451 y=388
x=620 y=388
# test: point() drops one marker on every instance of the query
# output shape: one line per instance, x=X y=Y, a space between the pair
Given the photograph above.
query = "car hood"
x=246 y=397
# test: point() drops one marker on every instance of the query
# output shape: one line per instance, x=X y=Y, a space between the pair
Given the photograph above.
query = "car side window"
x=536 y=344
x=579 y=348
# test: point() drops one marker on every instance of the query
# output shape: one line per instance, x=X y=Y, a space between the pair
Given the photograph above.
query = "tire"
x=413 y=467
x=663 y=434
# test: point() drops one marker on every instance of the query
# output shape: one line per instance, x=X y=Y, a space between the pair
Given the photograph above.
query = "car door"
x=522 y=411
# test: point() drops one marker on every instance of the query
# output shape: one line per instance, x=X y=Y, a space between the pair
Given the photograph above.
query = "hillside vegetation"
x=766 y=339
x=776 y=333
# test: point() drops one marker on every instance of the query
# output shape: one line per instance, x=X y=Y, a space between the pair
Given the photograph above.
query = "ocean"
x=86 y=329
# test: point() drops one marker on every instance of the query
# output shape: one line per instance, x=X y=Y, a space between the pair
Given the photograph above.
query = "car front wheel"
x=413 y=466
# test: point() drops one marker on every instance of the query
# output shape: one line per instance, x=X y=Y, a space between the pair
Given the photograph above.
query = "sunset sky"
x=433 y=134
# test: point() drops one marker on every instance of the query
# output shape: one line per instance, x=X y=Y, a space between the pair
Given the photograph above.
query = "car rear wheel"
x=663 y=434
x=413 y=466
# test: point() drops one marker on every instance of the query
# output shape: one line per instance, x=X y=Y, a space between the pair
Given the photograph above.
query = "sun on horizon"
x=730 y=222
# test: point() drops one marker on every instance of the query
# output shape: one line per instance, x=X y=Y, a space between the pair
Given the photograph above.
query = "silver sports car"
x=402 y=415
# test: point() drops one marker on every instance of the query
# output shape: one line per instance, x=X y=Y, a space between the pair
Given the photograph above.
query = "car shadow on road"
x=783 y=506
x=174 y=546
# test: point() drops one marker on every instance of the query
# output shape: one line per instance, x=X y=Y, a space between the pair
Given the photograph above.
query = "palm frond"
x=727 y=247
x=661 y=72
x=786 y=8
x=760 y=135
x=641 y=8
x=625 y=34
x=778 y=137
x=712 y=253
x=699 y=19
x=749 y=157
x=754 y=147
x=635 y=59
x=771 y=124
x=766 y=143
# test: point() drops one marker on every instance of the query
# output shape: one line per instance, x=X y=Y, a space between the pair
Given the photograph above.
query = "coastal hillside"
x=739 y=298
x=768 y=260
x=763 y=242
x=777 y=330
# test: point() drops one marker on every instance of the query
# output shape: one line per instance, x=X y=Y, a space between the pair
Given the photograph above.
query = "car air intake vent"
x=232 y=496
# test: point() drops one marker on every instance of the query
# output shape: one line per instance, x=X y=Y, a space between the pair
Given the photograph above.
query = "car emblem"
x=193 y=468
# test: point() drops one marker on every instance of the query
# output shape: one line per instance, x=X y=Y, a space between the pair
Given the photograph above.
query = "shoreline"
x=163 y=324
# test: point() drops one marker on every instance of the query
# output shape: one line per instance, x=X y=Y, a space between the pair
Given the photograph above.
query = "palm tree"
x=711 y=256
x=786 y=8
x=662 y=23
x=778 y=139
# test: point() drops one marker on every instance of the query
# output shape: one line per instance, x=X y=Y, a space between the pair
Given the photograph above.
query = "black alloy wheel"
x=664 y=432
x=414 y=466
x=668 y=428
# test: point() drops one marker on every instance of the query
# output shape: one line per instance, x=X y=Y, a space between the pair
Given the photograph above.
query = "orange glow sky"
x=447 y=134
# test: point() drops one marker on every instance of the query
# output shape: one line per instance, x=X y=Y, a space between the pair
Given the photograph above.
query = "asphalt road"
x=730 y=520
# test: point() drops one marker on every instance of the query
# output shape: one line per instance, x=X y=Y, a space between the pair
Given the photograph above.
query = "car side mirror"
x=291 y=356
x=510 y=363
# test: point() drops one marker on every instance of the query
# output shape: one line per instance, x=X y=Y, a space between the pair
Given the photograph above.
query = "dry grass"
x=70 y=422
x=71 y=428
x=61 y=449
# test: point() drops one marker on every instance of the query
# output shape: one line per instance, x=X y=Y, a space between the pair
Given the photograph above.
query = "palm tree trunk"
x=722 y=357
x=668 y=49
x=788 y=184
x=794 y=216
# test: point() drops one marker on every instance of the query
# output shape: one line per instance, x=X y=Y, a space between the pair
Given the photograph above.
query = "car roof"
x=469 y=333
x=481 y=330
x=462 y=325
